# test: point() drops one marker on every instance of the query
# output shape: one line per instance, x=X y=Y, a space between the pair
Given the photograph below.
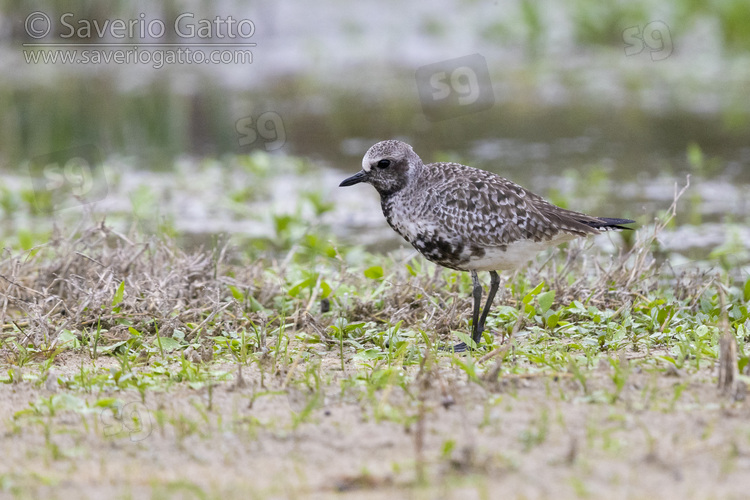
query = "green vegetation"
x=296 y=342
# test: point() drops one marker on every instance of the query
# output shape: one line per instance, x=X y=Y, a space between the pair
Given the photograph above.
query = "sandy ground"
x=529 y=437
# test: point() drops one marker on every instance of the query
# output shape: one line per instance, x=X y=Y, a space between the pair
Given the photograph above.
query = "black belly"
x=440 y=250
x=445 y=250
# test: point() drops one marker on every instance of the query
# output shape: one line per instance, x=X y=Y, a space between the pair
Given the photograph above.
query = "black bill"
x=360 y=176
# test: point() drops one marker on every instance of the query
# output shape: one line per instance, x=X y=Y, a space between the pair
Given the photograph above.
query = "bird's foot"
x=462 y=347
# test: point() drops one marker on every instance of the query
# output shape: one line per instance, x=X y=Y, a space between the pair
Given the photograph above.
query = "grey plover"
x=468 y=219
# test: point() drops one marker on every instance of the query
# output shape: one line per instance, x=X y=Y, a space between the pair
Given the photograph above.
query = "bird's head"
x=388 y=166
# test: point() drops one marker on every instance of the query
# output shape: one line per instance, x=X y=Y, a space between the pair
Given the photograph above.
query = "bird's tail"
x=607 y=224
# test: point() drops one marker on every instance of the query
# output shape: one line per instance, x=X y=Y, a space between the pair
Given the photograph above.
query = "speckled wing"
x=485 y=210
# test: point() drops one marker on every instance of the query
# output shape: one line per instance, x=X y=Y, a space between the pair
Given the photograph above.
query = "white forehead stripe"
x=366 y=164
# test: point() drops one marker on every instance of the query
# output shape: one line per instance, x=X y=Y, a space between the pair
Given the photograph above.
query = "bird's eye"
x=384 y=163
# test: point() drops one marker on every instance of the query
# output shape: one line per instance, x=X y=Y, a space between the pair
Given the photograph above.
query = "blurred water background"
x=603 y=108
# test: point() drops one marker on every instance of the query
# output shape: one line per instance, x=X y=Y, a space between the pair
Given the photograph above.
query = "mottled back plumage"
x=465 y=218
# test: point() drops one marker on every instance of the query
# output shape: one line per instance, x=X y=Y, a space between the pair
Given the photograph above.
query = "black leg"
x=476 y=292
x=494 y=285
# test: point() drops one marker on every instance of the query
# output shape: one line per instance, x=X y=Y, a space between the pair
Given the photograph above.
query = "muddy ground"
x=666 y=435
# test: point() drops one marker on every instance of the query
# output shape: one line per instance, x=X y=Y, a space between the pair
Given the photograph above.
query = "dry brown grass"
x=71 y=282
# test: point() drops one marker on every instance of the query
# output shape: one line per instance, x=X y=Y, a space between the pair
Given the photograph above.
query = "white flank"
x=516 y=254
